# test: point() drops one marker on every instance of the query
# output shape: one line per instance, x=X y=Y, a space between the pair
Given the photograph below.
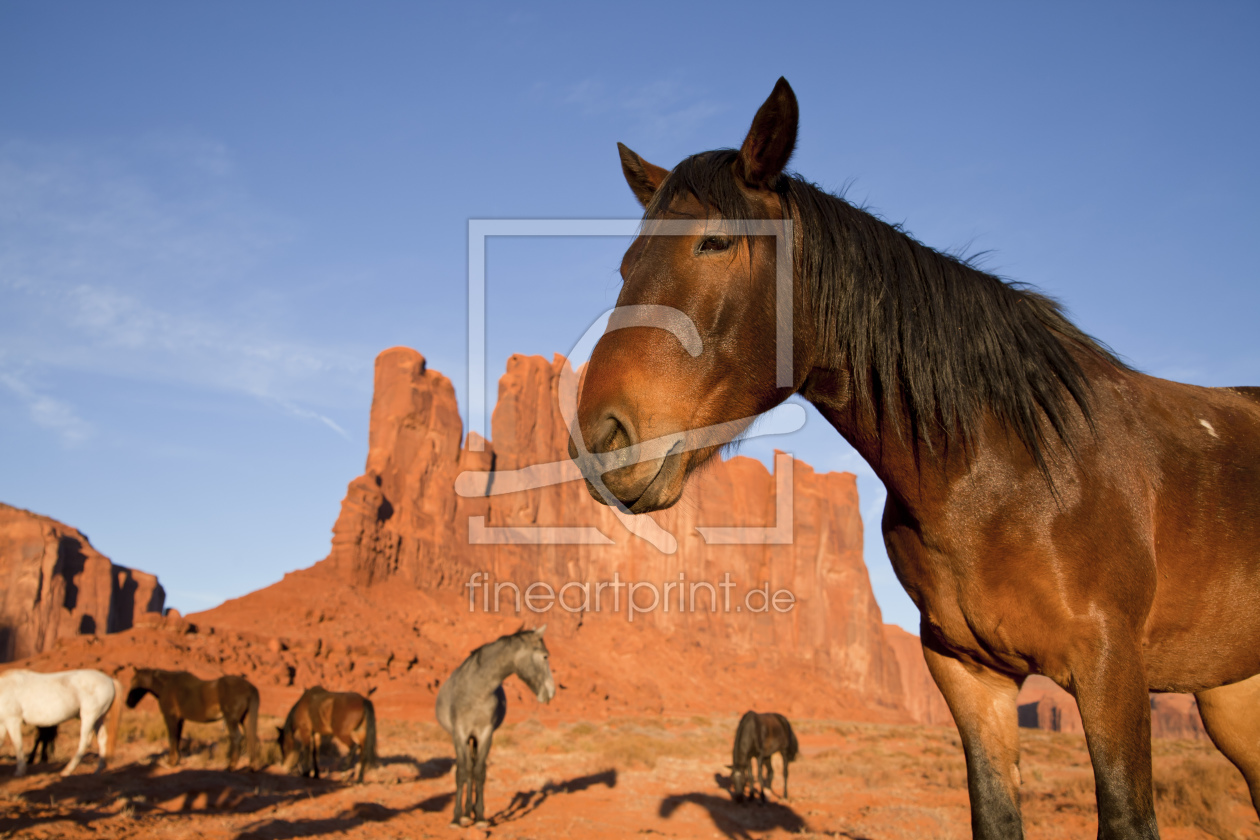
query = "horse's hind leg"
x=234 y=741
x=983 y=705
x=85 y=738
x=1230 y=717
x=102 y=743
x=785 y=774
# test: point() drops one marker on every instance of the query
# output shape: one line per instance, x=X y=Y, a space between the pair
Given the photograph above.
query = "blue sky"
x=212 y=217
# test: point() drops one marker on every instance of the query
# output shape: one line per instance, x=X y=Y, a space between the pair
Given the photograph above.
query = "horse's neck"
x=497 y=663
x=919 y=479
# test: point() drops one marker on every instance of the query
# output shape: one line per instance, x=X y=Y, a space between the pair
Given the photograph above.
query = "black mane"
x=926 y=336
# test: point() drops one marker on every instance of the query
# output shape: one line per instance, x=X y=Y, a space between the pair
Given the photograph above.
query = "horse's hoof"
x=20 y=771
x=482 y=824
x=464 y=822
x=455 y=824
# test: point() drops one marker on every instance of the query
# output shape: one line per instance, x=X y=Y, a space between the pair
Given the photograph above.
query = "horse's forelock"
x=709 y=177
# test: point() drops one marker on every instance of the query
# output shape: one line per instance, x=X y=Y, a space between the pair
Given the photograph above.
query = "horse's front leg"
x=767 y=775
x=1111 y=691
x=982 y=702
x=13 y=726
x=174 y=731
x=463 y=790
x=479 y=781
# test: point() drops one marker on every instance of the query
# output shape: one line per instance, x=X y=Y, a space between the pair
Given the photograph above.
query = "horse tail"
x=745 y=736
x=114 y=715
x=369 y=738
x=789 y=754
x=251 y=728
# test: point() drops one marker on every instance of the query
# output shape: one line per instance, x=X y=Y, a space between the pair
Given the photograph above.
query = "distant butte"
x=56 y=585
x=388 y=612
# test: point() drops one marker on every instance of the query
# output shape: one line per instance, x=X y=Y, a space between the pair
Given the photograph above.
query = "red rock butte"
x=389 y=611
x=56 y=586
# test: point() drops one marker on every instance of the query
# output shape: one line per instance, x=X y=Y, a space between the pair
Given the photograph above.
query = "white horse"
x=50 y=699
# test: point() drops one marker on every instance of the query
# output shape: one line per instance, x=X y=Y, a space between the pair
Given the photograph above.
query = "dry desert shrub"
x=141 y=726
x=1200 y=793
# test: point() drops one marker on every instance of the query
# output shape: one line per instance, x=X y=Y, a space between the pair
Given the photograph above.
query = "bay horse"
x=1050 y=510
x=759 y=736
x=46 y=700
x=183 y=696
x=471 y=705
x=318 y=714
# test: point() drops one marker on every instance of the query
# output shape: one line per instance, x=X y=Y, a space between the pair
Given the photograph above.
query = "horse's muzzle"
x=547 y=691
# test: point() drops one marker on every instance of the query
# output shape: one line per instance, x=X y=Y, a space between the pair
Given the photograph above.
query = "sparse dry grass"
x=1201 y=792
x=202 y=744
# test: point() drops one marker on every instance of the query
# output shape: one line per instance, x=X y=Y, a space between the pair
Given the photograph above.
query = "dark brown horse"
x=318 y=714
x=759 y=736
x=182 y=696
x=1050 y=510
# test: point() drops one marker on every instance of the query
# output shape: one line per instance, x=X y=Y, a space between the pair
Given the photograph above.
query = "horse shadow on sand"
x=526 y=802
x=737 y=820
x=355 y=815
x=433 y=768
x=154 y=790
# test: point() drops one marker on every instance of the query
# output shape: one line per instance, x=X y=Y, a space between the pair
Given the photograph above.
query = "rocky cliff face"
x=55 y=584
x=403 y=524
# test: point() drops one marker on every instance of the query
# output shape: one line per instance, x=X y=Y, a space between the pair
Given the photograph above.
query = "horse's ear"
x=771 y=139
x=539 y=631
x=644 y=178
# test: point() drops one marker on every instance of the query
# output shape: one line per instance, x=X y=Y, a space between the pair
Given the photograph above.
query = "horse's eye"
x=713 y=244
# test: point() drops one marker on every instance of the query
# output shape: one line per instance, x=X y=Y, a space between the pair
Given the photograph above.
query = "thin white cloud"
x=154 y=277
x=49 y=412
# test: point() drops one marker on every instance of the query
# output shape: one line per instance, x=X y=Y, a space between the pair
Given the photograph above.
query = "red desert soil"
x=628 y=777
x=583 y=766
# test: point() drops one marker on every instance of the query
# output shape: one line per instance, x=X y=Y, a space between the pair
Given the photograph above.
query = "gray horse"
x=471 y=705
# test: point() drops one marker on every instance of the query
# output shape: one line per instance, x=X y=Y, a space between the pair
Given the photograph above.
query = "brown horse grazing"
x=1050 y=510
x=344 y=715
x=760 y=736
x=182 y=696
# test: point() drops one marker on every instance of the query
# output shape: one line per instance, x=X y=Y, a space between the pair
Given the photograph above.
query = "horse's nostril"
x=617 y=434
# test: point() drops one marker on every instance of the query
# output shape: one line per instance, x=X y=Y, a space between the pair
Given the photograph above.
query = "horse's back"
x=1251 y=392
x=50 y=699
